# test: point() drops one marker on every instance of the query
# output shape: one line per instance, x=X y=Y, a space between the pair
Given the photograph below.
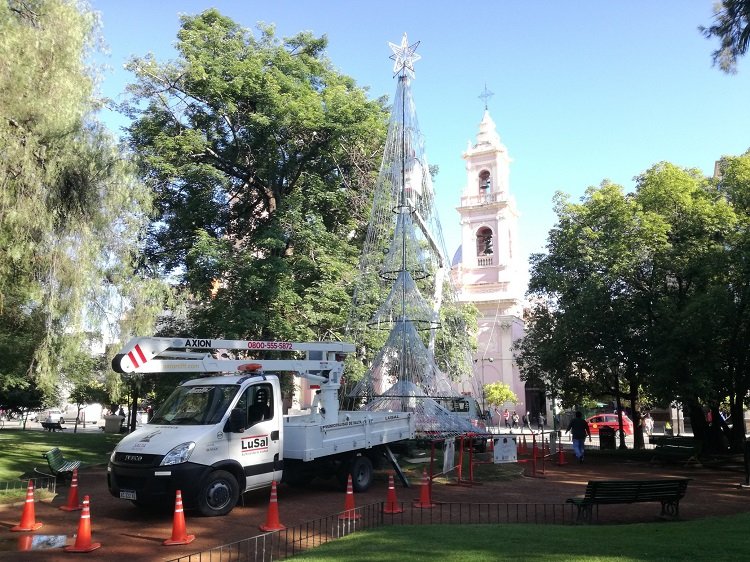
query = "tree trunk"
x=699 y=424
x=618 y=401
x=737 y=431
x=638 y=441
x=718 y=432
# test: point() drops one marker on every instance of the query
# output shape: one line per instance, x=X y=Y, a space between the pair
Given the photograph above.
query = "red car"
x=609 y=420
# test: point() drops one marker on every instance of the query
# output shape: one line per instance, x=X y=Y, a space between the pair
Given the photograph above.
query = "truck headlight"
x=180 y=453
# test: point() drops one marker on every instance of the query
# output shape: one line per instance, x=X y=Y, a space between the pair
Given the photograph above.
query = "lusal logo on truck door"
x=254 y=444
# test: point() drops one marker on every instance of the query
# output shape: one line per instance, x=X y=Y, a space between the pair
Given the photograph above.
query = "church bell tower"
x=487 y=268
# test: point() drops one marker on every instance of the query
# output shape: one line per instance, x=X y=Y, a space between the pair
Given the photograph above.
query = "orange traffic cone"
x=73 y=504
x=391 y=503
x=524 y=447
x=83 y=538
x=561 y=455
x=349 y=506
x=179 y=533
x=28 y=517
x=272 y=519
x=424 y=494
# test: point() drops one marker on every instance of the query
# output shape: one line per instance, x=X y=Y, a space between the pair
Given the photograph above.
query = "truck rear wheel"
x=362 y=473
x=218 y=494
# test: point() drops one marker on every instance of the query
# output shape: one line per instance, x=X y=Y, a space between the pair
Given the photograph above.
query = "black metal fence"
x=288 y=542
x=17 y=487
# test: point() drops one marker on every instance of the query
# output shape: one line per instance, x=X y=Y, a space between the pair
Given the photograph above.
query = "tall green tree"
x=70 y=208
x=260 y=155
x=732 y=27
x=596 y=282
x=721 y=309
x=647 y=292
x=686 y=364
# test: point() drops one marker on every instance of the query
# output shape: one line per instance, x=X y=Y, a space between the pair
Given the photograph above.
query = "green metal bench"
x=59 y=466
x=675 y=449
x=52 y=426
x=668 y=492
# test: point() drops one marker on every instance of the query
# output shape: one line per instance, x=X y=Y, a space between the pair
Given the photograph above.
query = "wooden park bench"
x=668 y=492
x=675 y=449
x=52 y=426
x=59 y=466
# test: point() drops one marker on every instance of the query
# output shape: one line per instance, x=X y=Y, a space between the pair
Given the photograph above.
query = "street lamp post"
x=483 y=360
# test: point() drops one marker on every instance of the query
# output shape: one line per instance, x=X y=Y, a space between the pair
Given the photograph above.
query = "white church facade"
x=488 y=269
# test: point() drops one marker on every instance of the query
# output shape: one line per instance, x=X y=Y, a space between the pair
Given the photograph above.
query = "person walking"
x=506 y=418
x=649 y=423
x=514 y=421
x=540 y=421
x=527 y=422
x=579 y=429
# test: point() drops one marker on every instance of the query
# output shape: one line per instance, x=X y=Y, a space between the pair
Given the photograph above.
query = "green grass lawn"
x=22 y=449
x=715 y=539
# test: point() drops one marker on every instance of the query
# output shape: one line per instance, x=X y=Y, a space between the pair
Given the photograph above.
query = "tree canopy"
x=260 y=155
x=732 y=27
x=498 y=394
x=70 y=207
x=645 y=293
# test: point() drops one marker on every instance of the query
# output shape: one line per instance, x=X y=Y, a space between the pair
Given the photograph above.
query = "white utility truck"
x=218 y=436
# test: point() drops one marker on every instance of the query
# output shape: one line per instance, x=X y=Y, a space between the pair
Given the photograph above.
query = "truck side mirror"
x=237 y=421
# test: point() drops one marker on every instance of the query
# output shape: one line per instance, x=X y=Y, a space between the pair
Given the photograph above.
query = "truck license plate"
x=127 y=495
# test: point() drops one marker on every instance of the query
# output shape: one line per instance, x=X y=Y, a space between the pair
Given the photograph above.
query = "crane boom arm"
x=183 y=355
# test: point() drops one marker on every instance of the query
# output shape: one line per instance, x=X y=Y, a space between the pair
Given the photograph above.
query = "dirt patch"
x=126 y=532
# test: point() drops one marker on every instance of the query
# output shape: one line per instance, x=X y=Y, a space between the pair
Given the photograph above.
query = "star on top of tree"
x=404 y=56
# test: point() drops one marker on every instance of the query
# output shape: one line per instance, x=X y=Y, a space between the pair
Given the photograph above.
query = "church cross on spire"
x=485 y=96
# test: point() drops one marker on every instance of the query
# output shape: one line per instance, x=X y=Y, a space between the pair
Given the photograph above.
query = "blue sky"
x=585 y=90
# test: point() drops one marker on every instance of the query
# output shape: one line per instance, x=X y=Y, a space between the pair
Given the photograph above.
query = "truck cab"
x=212 y=438
x=465 y=407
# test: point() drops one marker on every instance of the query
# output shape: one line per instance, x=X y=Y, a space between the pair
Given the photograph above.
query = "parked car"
x=54 y=413
x=609 y=420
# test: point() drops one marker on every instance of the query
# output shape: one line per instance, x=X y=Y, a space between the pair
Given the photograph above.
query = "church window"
x=485 y=184
x=484 y=246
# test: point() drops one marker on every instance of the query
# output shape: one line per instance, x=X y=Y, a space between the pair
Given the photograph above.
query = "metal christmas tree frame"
x=404 y=263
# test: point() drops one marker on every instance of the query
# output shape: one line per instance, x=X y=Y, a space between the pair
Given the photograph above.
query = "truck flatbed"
x=307 y=437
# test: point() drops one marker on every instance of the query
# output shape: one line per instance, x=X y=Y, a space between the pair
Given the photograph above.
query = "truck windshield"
x=196 y=405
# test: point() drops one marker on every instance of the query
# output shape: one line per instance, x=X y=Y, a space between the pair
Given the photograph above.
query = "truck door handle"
x=275 y=435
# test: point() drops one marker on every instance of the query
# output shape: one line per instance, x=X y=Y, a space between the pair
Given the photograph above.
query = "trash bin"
x=607 y=438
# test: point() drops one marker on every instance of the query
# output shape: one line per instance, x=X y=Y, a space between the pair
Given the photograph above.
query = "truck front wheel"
x=362 y=473
x=218 y=494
